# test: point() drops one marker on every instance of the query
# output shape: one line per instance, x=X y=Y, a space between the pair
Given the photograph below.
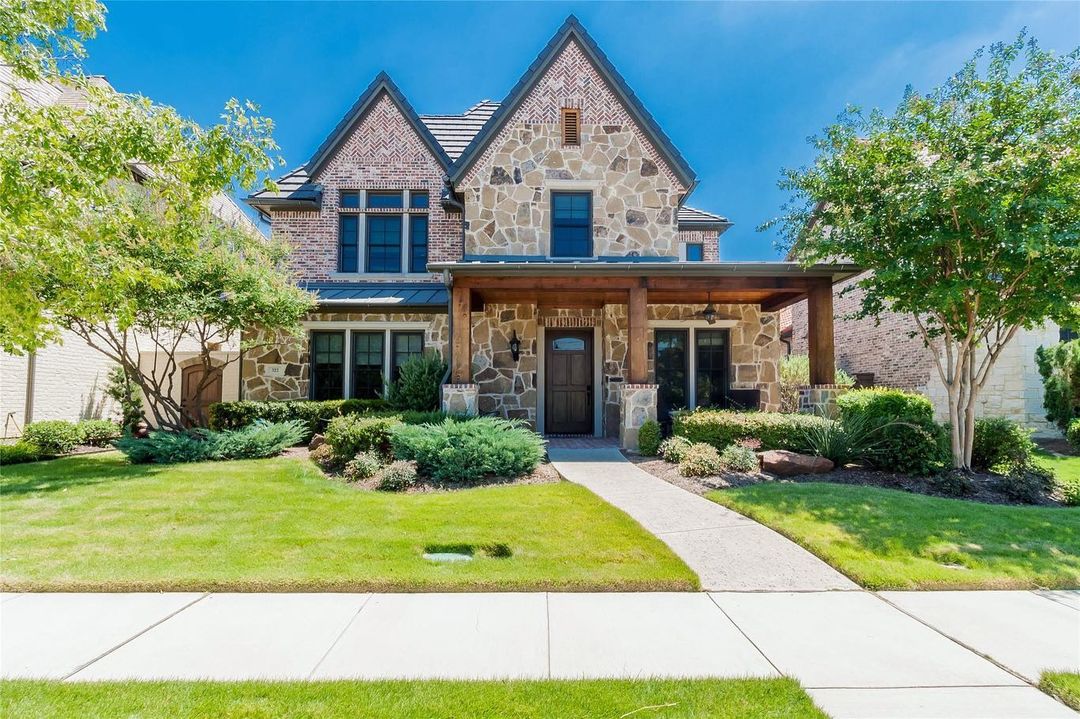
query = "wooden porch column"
x=820 y=320
x=461 y=341
x=638 y=319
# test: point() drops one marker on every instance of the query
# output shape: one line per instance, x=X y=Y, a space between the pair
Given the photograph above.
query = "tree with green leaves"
x=107 y=229
x=964 y=204
x=38 y=37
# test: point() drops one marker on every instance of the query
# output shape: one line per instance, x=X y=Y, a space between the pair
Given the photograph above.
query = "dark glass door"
x=367 y=373
x=671 y=374
x=712 y=367
x=568 y=394
x=327 y=364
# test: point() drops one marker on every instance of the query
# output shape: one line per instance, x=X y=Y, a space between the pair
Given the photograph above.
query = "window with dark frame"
x=695 y=252
x=418 y=243
x=348 y=243
x=367 y=373
x=377 y=200
x=405 y=346
x=350 y=200
x=673 y=391
x=384 y=243
x=571 y=126
x=418 y=200
x=327 y=365
x=571 y=224
x=711 y=360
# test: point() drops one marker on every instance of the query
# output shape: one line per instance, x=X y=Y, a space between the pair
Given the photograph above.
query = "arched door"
x=196 y=395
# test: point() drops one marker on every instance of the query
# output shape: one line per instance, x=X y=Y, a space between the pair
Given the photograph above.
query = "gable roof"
x=455 y=132
x=691 y=218
x=381 y=83
x=572 y=30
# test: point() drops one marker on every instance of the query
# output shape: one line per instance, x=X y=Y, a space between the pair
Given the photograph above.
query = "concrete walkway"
x=728 y=551
x=910 y=655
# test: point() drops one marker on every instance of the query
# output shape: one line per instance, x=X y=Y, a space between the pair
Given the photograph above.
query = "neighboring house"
x=886 y=353
x=67 y=379
x=542 y=245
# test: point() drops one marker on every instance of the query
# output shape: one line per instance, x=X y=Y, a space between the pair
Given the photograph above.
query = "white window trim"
x=387 y=328
x=691 y=326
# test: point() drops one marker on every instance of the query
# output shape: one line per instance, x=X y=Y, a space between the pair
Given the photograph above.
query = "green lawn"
x=1066 y=470
x=888 y=539
x=1063 y=685
x=665 y=699
x=98 y=523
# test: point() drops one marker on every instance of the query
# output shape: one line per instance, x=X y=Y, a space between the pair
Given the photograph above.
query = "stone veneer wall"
x=383 y=153
x=506 y=387
x=274 y=348
x=638 y=407
x=507 y=191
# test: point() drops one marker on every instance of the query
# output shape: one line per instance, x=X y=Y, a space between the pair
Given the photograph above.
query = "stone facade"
x=508 y=191
x=507 y=387
x=638 y=407
x=820 y=399
x=460 y=398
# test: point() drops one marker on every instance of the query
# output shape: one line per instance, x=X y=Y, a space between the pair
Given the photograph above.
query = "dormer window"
x=571 y=126
x=383 y=232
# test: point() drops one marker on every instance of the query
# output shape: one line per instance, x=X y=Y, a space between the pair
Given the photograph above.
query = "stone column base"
x=638 y=405
x=460 y=398
x=820 y=399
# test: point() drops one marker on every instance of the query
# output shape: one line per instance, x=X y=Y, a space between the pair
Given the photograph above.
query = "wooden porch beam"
x=461 y=341
x=821 y=339
x=638 y=320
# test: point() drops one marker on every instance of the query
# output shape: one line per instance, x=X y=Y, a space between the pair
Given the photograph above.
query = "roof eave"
x=837 y=272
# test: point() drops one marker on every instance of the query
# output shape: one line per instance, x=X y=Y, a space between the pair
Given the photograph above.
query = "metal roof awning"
x=426 y=296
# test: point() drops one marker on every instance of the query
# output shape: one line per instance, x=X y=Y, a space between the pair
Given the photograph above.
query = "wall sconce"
x=515 y=346
x=709 y=313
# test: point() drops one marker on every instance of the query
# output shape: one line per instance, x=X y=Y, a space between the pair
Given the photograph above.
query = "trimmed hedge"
x=912 y=442
x=52 y=436
x=316 y=415
x=350 y=434
x=98 y=432
x=18 y=453
x=721 y=428
x=883 y=403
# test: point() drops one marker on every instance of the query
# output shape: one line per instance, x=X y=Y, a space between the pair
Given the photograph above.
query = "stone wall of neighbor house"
x=383 y=153
x=507 y=191
x=1013 y=390
x=507 y=387
x=264 y=349
x=709 y=239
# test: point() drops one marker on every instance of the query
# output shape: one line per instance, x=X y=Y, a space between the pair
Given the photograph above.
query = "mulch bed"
x=985 y=489
x=1056 y=445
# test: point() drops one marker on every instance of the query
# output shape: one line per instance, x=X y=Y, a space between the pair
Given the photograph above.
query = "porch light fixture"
x=709 y=313
x=515 y=346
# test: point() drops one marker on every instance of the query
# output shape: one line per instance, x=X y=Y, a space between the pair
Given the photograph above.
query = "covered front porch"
x=597 y=348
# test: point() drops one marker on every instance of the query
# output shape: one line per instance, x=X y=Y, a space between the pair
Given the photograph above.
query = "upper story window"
x=372 y=238
x=571 y=224
x=695 y=252
x=571 y=126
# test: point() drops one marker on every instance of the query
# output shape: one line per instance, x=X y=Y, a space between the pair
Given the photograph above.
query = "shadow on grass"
x=70 y=472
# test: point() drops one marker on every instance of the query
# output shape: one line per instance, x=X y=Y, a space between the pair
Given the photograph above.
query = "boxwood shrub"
x=466 y=451
x=52 y=436
x=351 y=434
x=912 y=442
x=721 y=428
x=1000 y=444
x=315 y=415
x=98 y=432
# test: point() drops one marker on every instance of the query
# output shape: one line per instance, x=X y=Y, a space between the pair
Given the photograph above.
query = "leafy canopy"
x=36 y=36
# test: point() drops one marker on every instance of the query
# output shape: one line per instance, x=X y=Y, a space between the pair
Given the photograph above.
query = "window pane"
x=712 y=368
x=383 y=244
x=348 y=236
x=418 y=243
x=367 y=376
x=671 y=366
x=406 y=346
x=327 y=365
x=384 y=199
x=695 y=252
x=418 y=200
x=571 y=225
x=350 y=199
x=568 y=344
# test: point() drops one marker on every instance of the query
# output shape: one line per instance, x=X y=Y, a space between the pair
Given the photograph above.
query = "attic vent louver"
x=571 y=126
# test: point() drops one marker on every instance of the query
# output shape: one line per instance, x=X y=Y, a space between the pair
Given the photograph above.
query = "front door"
x=197 y=394
x=568 y=403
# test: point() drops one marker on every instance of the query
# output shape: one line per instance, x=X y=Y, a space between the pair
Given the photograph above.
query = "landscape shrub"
x=738 y=458
x=324 y=456
x=674 y=447
x=721 y=428
x=1027 y=483
x=262 y=439
x=466 y=451
x=910 y=442
x=1072 y=434
x=396 y=476
x=52 y=436
x=351 y=434
x=1000 y=444
x=19 y=453
x=411 y=416
x=1070 y=491
x=1059 y=367
x=701 y=460
x=125 y=392
x=418 y=382
x=795 y=373
x=316 y=415
x=362 y=466
x=857 y=438
x=648 y=438
x=98 y=432
x=955 y=483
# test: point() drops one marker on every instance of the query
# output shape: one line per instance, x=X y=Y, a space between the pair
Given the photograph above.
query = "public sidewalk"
x=859 y=654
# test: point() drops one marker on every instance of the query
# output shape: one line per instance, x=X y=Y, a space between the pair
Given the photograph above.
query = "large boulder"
x=317 y=440
x=785 y=463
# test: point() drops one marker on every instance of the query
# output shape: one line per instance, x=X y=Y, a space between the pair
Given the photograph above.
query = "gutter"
x=447 y=200
x=836 y=272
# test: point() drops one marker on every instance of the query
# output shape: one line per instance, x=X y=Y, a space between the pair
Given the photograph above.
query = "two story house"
x=543 y=245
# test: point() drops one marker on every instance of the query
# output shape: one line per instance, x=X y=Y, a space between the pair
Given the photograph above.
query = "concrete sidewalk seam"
x=1055 y=600
x=740 y=525
x=547 y=620
x=746 y=636
x=135 y=636
x=339 y=636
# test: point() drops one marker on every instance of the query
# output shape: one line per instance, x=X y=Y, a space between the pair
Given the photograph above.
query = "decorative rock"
x=785 y=463
x=142 y=430
x=317 y=440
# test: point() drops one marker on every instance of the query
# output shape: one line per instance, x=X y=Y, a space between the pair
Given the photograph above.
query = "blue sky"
x=737 y=86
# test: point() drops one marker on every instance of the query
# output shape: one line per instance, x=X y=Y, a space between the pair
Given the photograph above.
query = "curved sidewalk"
x=728 y=551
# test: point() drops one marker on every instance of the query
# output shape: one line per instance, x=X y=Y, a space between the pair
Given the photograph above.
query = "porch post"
x=638 y=320
x=820 y=320
x=462 y=336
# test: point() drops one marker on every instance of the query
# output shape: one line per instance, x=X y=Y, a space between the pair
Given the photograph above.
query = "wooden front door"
x=568 y=391
x=194 y=402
